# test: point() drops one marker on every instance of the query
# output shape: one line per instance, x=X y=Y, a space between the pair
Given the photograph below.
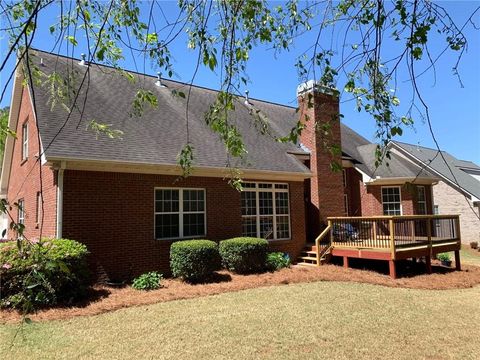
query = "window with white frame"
x=344 y=173
x=391 y=200
x=265 y=211
x=345 y=204
x=21 y=213
x=179 y=213
x=25 y=141
x=421 y=201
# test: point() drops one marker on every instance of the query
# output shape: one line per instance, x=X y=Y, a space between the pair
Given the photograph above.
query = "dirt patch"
x=103 y=299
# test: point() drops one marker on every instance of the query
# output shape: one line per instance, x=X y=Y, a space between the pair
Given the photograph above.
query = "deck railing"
x=393 y=232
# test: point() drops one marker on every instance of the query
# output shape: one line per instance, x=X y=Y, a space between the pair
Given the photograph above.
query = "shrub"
x=443 y=257
x=277 y=260
x=36 y=274
x=244 y=255
x=474 y=244
x=194 y=260
x=148 y=281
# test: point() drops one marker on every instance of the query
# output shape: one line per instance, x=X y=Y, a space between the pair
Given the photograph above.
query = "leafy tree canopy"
x=223 y=34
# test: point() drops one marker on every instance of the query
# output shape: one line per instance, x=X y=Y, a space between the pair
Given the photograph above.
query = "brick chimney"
x=319 y=111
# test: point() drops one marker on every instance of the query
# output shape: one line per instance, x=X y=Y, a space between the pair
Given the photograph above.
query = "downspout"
x=60 y=200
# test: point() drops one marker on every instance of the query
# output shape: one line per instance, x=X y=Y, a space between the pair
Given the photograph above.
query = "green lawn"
x=467 y=257
x=323 y=320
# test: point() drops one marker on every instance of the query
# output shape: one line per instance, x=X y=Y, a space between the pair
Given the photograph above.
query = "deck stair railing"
x=323 y=245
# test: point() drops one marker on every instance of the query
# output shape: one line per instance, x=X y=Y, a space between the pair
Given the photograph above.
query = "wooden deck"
x=389 y=238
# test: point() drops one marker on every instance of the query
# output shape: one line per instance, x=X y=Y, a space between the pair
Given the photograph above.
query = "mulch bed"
x=102 y=299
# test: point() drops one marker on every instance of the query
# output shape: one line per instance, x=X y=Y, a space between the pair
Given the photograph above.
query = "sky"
x=454 y=107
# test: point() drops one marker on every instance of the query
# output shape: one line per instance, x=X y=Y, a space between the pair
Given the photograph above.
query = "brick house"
x=126 y=200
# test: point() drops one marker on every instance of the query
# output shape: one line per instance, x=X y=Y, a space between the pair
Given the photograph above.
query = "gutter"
x=60 y=176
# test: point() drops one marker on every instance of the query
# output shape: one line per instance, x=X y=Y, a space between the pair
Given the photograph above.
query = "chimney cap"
x=312 y=85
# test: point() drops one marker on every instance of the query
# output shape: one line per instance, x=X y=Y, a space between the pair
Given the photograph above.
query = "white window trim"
x=180 y=213
x=424 y=201
x=21 y=211
x=25 y=141
x=399 y=192
x=273 y=190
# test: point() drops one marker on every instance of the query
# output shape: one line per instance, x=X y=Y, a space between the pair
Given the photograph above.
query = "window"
x=345 y=204
x=21 y=213
x=179 y=213
x=25 y=141
x=265 y=211
x=344 y=178
x=38 y=212
x=391 y=200
x=421 y=201
x=435 y=210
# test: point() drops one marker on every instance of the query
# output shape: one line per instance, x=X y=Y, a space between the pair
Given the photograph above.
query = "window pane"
x=166 y=200
x=265 y=186
x=166 y=226
x=193 y=200
x=249 y=185
x=193 y=225
x=249 y=226
x=283 y=228
x=281 y=186
x=266 y=227
x=281 y=203
x=265 y=203
x=249 y=203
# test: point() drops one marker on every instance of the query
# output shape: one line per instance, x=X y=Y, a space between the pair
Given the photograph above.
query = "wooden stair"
x=318 y=253
x=308 y=256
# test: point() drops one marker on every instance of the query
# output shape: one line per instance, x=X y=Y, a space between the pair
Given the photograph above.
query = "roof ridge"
x=154 y=77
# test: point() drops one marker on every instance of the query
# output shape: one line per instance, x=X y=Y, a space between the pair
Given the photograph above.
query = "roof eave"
x=13 y=115
x=173 y=169
x=402 y=180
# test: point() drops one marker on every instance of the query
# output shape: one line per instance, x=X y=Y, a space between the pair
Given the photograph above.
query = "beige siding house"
x=458 y=188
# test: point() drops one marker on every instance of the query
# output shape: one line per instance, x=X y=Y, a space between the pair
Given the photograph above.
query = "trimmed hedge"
x=194 y=260
x=42 y=273
x=244 y=255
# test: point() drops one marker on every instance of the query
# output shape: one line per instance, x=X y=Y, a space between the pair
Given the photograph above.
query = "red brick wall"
x=113 y=214
x=326 y=186
x=353 y=188
x=24 y=182
x=371 y=200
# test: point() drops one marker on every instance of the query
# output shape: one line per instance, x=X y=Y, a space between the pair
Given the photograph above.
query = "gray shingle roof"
x=448 y=168
x=158 y=136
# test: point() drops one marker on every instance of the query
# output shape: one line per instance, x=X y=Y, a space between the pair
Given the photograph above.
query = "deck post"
x=457 y=260
x=392 y=238
x=428 y=257
x=392 y=268
x=345 y=261
x=428 y=262
x=459 y=237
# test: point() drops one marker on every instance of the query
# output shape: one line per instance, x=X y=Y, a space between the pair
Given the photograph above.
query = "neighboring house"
x=458 y=189
x=126 y=200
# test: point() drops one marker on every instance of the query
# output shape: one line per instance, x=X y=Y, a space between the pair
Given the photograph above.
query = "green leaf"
x=72 y=40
